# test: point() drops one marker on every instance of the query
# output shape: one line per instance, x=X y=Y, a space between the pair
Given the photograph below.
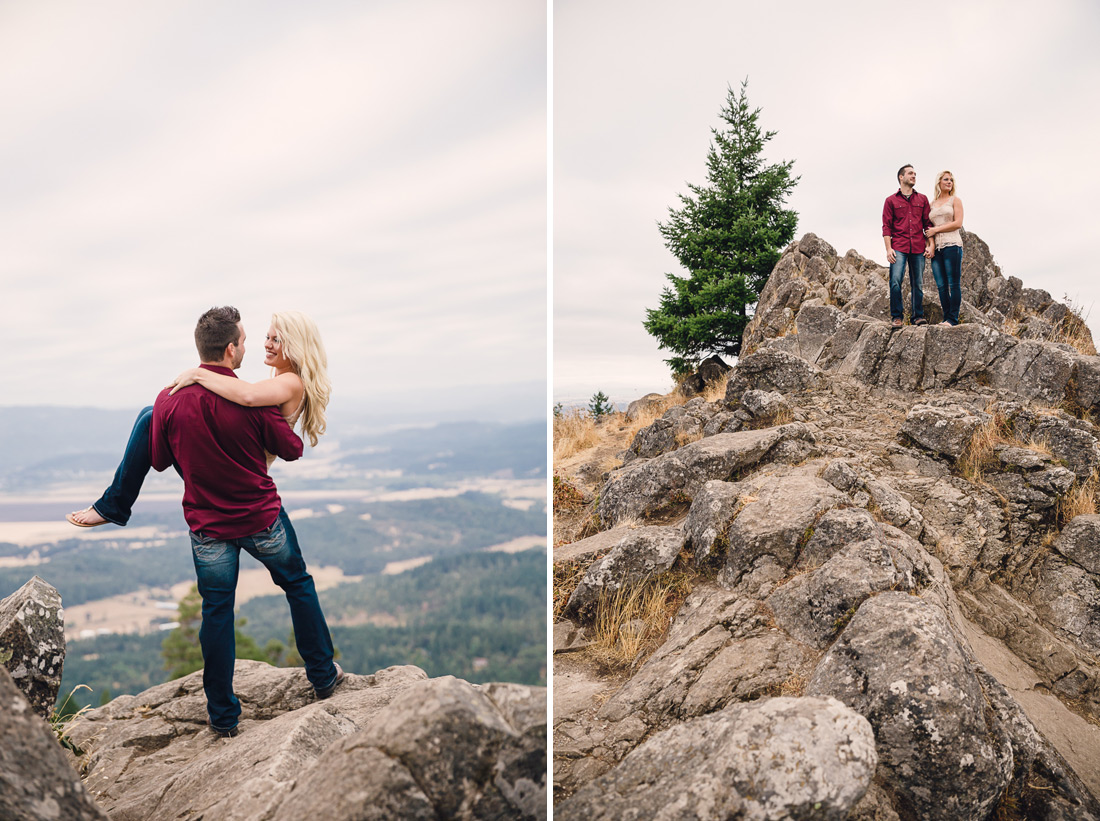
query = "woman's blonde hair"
x=954 y=187
x=302 y=345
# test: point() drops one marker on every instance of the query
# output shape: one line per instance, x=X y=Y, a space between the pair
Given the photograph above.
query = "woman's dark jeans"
x=118 y=499
x=947 y=269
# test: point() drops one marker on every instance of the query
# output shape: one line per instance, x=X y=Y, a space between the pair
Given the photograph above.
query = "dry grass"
x=1073 y=331
x=978 y=456
x=1080 y=499
x=574 y=430
x=631 y=623
x=651 y=413
x=567 y=575
x=716 y=390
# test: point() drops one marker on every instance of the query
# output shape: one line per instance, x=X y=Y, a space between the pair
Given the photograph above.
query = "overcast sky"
x=378 y=165
x=1003 y=94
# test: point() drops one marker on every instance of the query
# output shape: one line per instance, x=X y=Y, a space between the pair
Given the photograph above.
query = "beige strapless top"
x=940 y=215
x=291 y=420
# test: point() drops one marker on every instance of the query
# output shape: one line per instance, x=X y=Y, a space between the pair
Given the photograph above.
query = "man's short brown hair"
x=215 y=331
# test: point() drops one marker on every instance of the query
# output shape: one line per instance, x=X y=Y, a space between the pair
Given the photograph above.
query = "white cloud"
x=379 y=166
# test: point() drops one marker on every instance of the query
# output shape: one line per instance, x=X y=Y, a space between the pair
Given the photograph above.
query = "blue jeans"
x=217 y=562
x=916 y=272
x=118 y=499
x=947 y=269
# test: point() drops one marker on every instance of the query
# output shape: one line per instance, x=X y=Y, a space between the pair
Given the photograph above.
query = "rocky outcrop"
x=36 y=781
x=640 y=554
x=32 y=642
x=897 y=519
x=774 y=759
x=391 y=745
x=898 y=664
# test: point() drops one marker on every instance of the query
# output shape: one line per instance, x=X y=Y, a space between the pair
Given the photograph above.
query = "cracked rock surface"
x=390 y=745
x=894 y=520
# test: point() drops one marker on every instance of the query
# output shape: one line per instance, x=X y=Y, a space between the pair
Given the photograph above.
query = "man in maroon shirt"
x=904 y=220
x=231 y=504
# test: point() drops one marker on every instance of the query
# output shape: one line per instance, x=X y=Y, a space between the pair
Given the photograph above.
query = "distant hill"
x=44 y=444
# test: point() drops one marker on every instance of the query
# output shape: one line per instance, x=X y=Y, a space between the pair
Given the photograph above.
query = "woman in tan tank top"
x=947 y=218
x=299 y=386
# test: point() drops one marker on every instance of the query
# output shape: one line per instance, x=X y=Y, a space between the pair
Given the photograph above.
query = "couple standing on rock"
x=915 y=230
x=221 y=435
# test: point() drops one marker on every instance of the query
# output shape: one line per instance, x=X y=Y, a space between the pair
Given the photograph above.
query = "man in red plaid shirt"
x=904 y=220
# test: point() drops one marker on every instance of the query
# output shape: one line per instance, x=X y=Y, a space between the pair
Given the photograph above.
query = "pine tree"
x=182 y=653
x=728 y=235
x=599 y=405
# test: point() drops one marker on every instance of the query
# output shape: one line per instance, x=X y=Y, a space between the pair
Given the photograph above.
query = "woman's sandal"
x=71 y=518
x=920 y=322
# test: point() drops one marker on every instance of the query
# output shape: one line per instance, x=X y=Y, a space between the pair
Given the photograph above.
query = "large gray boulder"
x=32 y=642
x=36 y=781
x=771 y=370
x=720 y=649
x=898 y=664
x=152 y=756
x=639 y=555
x=1080 y=542
x=707 y=525
x=780 y=758
x=645 y=487
x=1067 y=597
x=777 y=523
x=442 y=749
x=943 y=430
x=813 y=607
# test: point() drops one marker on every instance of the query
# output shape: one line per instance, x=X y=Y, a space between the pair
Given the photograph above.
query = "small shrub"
x=599 y=405
x=566 y=494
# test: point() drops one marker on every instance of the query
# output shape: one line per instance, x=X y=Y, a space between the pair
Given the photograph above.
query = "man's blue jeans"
x=217 y=562
x=118 y=499
x=916 y=272
x=947 y=269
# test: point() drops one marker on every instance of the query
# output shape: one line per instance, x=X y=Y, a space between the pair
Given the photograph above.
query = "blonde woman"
x=947 y=218
x=299 y=387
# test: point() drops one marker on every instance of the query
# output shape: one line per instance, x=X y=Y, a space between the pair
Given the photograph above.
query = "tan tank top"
x=291 y=420
x=941 y=215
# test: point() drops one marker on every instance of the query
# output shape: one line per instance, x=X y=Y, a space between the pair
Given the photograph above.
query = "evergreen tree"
x=182 y=652
x=728 y=235
x=599 y=405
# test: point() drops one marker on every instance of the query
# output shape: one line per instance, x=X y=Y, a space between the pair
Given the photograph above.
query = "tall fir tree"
x=182 y=653
x=728 y=235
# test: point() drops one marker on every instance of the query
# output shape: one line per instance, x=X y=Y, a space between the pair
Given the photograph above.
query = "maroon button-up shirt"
x=904 y=221
x=219 y=447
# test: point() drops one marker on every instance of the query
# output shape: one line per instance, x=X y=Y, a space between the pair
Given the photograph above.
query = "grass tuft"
x=62 y=716
x=631 y=623
x=1079 y=500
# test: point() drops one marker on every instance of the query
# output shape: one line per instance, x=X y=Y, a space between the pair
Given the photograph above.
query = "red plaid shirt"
x=219 y=447
x=904 y=221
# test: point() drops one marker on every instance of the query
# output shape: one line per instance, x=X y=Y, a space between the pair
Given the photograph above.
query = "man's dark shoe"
x=232 y=732
x=920 y=320
x=325 y=692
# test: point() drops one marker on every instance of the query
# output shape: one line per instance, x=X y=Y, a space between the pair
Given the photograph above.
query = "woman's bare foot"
x=88 y=517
